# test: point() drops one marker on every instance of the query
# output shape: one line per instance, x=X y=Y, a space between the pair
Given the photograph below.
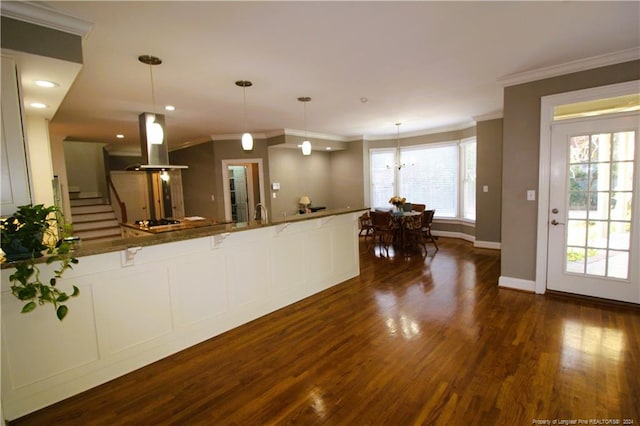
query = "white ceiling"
x=430 y=65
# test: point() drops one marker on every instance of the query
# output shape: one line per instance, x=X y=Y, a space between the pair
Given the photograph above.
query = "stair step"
x=92 y=217
x=95 y=224
x=91 y=208
x=86 y=201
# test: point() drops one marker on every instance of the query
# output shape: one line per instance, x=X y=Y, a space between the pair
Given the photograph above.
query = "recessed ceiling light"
x=299 y=146
x=38 y=105
x=328 y=148
x=46 y=83
x=120 y=136
x=170 y=108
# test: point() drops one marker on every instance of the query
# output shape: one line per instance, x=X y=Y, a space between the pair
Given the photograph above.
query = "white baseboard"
x=450 y=234
x=487 y=244
x=517 y=284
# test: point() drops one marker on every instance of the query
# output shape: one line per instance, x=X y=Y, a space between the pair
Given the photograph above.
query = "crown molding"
x=44 y=16
x=570 y=67
x=425 y=132
x=325 y=136
x=238 y=136
x=491 y=116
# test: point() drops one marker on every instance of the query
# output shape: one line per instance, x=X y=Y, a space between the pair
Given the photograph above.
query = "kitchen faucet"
x=263 y=218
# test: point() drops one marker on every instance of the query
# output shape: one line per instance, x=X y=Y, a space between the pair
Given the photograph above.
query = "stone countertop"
x=186 y=233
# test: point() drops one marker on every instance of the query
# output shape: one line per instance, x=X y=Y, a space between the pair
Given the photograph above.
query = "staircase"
x=94 y=220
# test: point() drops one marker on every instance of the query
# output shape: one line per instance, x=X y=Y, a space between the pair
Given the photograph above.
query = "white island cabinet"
x=140 y=305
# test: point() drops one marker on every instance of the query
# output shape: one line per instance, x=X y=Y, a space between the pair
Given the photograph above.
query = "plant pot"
x=16 y=251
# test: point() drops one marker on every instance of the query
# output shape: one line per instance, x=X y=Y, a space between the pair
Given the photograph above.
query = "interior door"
x=239 y=193
x=594 y=223
x=134 y=192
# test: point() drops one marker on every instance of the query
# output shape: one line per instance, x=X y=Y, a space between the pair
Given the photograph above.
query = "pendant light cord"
x=244 y=97
x=305 y=120
x=153 y=90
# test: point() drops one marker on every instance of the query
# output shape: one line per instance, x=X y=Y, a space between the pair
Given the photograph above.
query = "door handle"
x=556 y=223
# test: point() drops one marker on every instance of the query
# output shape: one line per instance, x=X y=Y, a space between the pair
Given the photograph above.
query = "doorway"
x=587 y=236
x=243 y=188
x=594 y=208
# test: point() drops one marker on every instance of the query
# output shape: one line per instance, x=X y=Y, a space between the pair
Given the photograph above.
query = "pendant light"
x=306 y=145
x=398 y=165
x=247 y=139
x=155 y=132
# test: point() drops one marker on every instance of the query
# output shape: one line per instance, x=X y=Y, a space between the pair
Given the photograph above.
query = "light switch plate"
x=531 y=195
x=485 y=188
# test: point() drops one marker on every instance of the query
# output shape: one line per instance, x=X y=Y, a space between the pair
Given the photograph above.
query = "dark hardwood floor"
x=410 y=341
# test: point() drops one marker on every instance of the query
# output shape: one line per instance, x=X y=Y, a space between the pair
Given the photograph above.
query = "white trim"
x=39 y=14
x=424 y=132
x=451 y=234
x=487 y=117
x=516 y=284
x=454 y=221
x=226 y=194
x=571 y=67
x=234 y=136
x=547 y=105
x=488 y=245
x=314 y=135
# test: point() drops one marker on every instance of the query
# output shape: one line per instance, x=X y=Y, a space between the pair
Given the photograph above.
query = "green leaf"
x=76 y=291
x=63 y=297
x=52 y=281
x=62 y=312
x=28 y=307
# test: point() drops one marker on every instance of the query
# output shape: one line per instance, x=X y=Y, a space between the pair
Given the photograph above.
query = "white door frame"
x=225 y=180
x=547 y=105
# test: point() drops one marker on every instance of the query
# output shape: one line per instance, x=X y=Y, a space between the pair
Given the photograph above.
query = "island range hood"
x=155 y=154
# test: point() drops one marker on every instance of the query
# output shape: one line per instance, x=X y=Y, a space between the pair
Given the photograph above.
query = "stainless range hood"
x=155 y=156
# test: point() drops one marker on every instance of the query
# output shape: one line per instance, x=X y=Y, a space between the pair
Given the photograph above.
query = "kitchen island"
x=144 y=298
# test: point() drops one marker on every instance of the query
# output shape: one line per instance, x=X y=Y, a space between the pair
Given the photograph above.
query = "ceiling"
x=432 y=66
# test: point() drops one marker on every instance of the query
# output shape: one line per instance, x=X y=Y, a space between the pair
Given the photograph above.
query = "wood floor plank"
x=412 y=341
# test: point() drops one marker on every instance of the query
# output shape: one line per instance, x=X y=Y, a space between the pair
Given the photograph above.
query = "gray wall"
x=199 y=180
x=347 y=177
x=521 y=141
x=85 y=167
x=203 y=178
x=489 y=172
x=31 y=38
x=299 y=175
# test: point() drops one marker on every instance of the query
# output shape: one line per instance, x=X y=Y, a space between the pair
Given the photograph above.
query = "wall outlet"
x=485 y=188
x=531 y=195
x=274 y=195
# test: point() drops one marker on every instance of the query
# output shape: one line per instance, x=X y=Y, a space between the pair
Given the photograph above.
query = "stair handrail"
x=122 y=206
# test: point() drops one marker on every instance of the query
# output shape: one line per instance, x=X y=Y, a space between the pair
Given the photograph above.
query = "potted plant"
x=31 y=231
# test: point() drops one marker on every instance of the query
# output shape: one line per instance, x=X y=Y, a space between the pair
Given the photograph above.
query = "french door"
x=594 y=226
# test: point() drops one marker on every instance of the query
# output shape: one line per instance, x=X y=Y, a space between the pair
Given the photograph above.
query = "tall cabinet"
x=15 y=177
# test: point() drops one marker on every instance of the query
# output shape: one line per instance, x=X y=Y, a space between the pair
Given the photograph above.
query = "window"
x=382 y=176
x=442 y=176
x=468 y=178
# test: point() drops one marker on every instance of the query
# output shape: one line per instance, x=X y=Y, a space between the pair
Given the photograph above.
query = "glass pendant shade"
x=247 y=142
x=306 y=148
x=155 y=133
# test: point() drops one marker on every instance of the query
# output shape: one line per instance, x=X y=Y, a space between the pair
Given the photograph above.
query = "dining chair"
x=418 y=207
x=366 y=227
x=383 y=228
x=427 y=220
x=412 y=232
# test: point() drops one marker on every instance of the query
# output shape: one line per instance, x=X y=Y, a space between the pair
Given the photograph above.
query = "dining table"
x=405 y=221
